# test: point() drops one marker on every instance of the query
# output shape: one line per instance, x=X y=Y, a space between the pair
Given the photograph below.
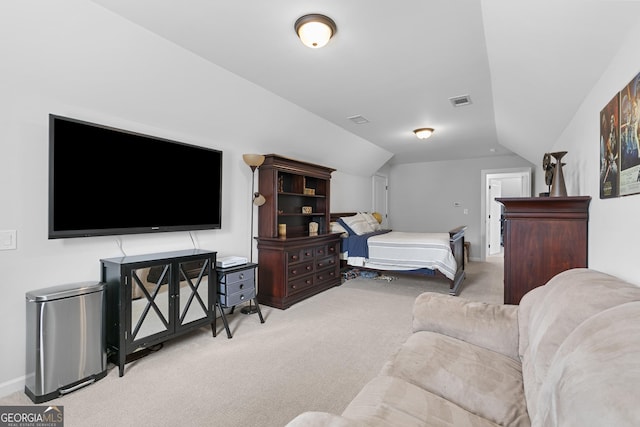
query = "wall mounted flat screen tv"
x=107 y=181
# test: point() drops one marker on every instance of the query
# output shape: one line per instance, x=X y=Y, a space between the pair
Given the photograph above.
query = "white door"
x=495 y=212
x=380 y=185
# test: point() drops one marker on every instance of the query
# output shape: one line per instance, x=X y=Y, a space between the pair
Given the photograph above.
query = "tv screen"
x=106 y=181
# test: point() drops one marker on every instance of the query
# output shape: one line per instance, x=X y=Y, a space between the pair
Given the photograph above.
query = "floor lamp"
x=253 y=161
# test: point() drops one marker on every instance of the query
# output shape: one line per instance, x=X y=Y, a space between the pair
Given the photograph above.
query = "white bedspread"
x=399 y=250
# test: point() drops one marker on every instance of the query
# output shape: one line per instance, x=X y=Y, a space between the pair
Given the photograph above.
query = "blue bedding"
x=357 y=245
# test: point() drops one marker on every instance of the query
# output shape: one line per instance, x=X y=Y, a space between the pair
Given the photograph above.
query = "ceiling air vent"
x=459 y=101
x=359 y=120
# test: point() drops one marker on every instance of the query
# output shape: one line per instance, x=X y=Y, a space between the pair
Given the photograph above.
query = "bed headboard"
x=333 y=216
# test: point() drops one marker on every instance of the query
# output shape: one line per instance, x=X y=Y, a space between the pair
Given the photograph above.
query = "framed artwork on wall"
x=610 y=149
x=629 y=138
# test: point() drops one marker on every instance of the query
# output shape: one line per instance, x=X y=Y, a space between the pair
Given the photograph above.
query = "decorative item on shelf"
x=310 y=191
x=306 y=209
x=547 y=167
x=282 y=230
x=558 y=188
x=313 y=228
x=253 y=161
x=280 y=184
x=280 y=211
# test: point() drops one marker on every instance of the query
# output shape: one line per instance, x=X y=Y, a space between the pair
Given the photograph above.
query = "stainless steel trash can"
x=65 y=339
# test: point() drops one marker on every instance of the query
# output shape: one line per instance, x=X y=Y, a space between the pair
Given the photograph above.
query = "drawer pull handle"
x=241 y=276
x=241 y=296
x=294 y=257
x=294 y=271
x=320 y=265
x=241 y=285
x=308 y=268
x=308 y=253
x=308 y=282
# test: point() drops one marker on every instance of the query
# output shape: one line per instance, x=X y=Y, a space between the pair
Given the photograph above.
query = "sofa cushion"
x=594 y=378
x=392 y=402
x=555 y=310
x=478 y=380
x=492 y=326
x=323 y=419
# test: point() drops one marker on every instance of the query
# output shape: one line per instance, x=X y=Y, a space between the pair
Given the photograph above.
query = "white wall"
x=76 y=59
x=422 y=195
x=350 y=193
x=613 y=223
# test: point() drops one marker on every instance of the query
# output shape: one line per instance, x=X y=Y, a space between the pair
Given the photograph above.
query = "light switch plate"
x=8 y=240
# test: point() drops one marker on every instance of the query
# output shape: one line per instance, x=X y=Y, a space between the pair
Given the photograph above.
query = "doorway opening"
x=499 y=183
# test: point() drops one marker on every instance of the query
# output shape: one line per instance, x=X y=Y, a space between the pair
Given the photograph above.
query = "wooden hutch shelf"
x=296 y=264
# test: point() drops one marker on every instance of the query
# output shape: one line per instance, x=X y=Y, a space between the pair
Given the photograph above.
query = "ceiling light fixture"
x=423 y=133
x=315 y=30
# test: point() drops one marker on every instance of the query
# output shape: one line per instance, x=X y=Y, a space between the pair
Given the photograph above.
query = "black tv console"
x=155 y=297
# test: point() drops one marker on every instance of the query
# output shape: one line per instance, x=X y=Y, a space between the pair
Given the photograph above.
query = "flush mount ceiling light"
x=315 y=30
x=423 y=133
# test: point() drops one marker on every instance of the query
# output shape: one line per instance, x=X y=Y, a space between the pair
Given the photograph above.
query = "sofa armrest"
x=492 y=326
x=322 y=419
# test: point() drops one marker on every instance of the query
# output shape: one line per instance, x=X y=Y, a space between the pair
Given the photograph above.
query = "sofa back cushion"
x=594 y=378
x=552 y=312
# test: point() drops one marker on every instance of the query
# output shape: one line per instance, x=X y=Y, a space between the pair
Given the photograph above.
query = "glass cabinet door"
x=193 y=296
x=150 y=298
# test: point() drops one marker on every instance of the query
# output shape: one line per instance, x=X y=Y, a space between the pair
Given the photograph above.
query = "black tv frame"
x=56 y=232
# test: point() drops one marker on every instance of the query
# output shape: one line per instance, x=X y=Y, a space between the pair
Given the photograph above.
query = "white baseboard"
x=11 y=386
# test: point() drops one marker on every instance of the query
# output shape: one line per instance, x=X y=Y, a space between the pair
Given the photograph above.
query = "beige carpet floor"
x=315 y=355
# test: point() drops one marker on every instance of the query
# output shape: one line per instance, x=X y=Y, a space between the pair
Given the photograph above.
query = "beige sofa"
x=568 y=355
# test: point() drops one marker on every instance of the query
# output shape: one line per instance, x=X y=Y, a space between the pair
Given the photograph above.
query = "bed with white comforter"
x=366 y=247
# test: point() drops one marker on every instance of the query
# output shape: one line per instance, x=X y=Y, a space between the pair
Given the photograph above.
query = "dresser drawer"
x=298 y=270
x=320 y=251
x=234 y=287
x=238 y=276
x=237 y=298
x=326 y=262
x=326 y=275
x=333 y=249
x=300 y=255
x=299 y=285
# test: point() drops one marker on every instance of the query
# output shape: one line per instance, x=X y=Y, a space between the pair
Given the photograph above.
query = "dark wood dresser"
x=543 y=236
x=294 y=262
x=293 y=269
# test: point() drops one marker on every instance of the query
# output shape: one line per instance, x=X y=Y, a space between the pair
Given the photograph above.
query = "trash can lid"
x=64 y=291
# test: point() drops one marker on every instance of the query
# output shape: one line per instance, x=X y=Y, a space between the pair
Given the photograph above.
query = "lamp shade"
x=423 y=133
x=253 y=160
x=258 y=199
x=315 y=30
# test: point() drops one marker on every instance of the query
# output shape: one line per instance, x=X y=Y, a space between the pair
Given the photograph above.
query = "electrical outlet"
x=7 y=240
x=466 y=211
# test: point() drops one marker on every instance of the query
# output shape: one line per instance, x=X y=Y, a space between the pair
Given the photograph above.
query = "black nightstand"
x=236 y=285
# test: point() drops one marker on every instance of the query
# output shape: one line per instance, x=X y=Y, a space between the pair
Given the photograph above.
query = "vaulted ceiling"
x=526 y=65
